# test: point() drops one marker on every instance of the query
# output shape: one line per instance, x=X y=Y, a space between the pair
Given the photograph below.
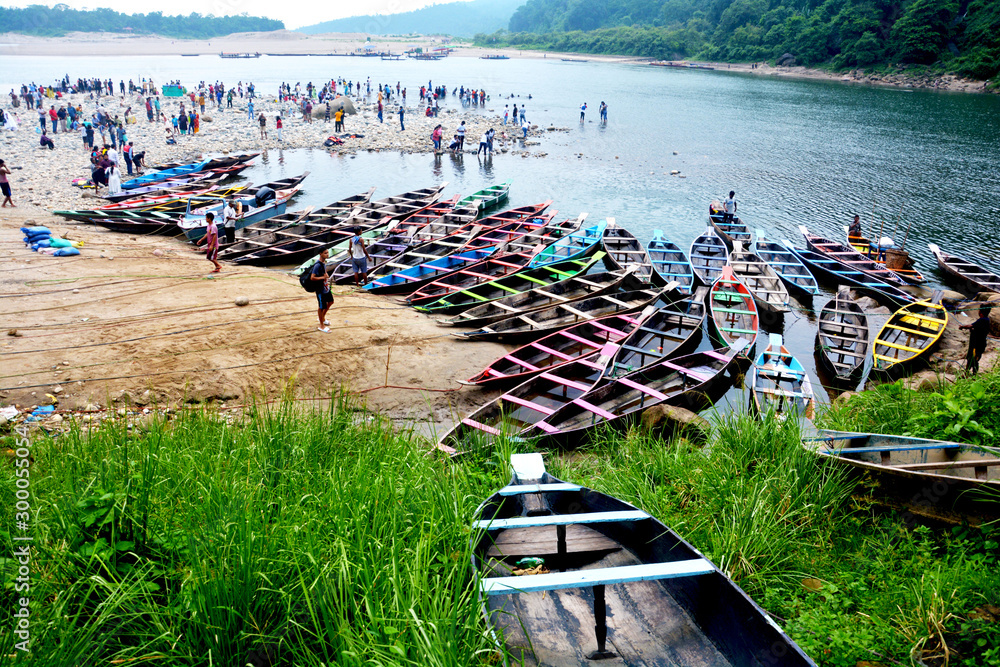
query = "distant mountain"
x=461 y=19
x=61 y=19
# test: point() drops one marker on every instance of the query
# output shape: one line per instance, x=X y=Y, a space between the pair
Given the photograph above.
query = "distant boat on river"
x=680 y=65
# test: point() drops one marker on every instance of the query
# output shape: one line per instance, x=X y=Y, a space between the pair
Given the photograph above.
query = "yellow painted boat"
x=910 y=332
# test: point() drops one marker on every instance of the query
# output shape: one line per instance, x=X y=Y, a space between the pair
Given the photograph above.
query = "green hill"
x=461 y=19
x=960 y=36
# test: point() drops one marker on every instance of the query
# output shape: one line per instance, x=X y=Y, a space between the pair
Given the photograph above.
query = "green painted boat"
x=734 y=313
x=487 y=197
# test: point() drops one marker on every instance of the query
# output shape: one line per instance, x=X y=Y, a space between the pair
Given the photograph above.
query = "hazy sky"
x=295 y=14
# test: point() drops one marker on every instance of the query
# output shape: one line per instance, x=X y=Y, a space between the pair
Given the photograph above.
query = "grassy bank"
x=327 y=538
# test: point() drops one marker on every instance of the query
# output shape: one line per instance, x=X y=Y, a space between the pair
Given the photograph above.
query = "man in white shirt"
x=483 y=144
x=229 y=216
x=730 y=208
x=113 y=156
x=461 y=136
x=359 y=257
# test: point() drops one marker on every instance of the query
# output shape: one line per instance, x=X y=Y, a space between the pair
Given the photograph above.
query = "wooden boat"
x=708 y=256
x=424 y=253
x=837 y=273
x=733 y=311
x=517 y=283
x=730 y=232
x=880 y=255
x=790 y=268
x=157 y=176
x=910 y=332
x=670 y=605
x=220 y=162
x=779 y=382
x=548 y=320
x=194 y=223
x=947 y=481
x=691 y=382
x=579 y=287
x=623 y=250
x=673 y=329
x=488 y=197
x=398 y=206
x=527 y=403
x=579 y=243
x=467 y=276
x=379 y=252
x=762 y=280
x=843 y=337
x=278 y=229
x=670 y=262
x=580 y=341
x=973 y=277
x=847 y=255
x=195 y=181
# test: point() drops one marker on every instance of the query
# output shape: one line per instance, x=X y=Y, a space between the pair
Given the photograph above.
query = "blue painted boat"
x=778 y=381
x=708 y=257
x=792 y=271
x=670 y=262
x=842 y=274
x=573 y=246
x=194 y=223
x=157 y=176
x=439 y=266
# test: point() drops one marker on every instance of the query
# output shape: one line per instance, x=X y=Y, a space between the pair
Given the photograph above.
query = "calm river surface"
x=795 y=152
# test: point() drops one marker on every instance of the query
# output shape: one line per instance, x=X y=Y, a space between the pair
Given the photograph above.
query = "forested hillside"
x=461 y=19
x=61 y=19
x=956 y=35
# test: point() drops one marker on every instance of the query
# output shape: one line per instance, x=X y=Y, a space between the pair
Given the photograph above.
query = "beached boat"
x=947 y=481
x=157 y=176
x=565 y=346
x=848 y=256
x=548 y=320
x=843 y=336
x=578 y=244
x=837 y=273
x=669 y=604
x=790 y=268
x=194 y=223
x=880 y=255
x=908 y=335
x=973 y=277
x=488 y=197
x=708 y=257
x=674 y=329
x=779 y=382
x=670 y=262
x=623 y=250
x=760 y=278
x=734 y=313
x=692 y=382
x=581 y=286
x=379 y=252
x=179 y=184
x=729 y=231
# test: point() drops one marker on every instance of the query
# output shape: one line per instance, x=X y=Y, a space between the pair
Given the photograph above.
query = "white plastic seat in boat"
x=596 y=577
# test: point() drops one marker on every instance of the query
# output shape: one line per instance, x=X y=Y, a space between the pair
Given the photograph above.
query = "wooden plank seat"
x=596 y=577
x=984 y=463
x=560 y=519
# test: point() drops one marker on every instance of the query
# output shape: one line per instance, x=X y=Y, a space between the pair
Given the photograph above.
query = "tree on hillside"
x=921 y=33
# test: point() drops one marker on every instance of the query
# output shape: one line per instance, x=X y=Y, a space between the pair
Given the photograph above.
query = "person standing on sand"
x=277 y=126
x=229 y=217
x=5 y=185
x=979 y=330
x=402 y=128
x=263 y=125
x=359 y=257
x=211 y=241
x=324 y=297
x=380 y=108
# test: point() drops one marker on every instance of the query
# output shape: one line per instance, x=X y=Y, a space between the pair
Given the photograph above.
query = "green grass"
x=309 y=537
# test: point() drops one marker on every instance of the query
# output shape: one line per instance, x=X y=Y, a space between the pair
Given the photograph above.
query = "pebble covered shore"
x=45 y=176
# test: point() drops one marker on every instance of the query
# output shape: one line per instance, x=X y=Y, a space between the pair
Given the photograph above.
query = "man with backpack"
x=316 y=280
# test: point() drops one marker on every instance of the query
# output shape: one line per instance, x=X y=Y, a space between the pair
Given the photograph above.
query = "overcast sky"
x=295 y=14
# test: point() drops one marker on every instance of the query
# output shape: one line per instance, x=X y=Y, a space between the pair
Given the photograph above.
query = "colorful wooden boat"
x=669 y=605
x=548 y=320
x=973 y=277
x=838 y=273
x=730 y=232
x=194 y=223
x=848 y=256
x=843 y=336
x=909 y=334
x=779 y=382
x=179 y=184
x=760 y=278
x=398 y=206
x=579 y=244
x=708 y=257
x=488 y=197
x=580 y=341
x=623 y=250
x=379 y=252
x=691 y=382
x=670 y=262
x=158 y=176
x=673 y=329
x=946 y=481
x=581 y=286
x=878 y=254
x=518 y=283
x=734 y=313
x=795 y=274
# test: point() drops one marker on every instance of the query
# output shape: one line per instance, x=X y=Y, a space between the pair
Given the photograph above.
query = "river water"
x=916 y=164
